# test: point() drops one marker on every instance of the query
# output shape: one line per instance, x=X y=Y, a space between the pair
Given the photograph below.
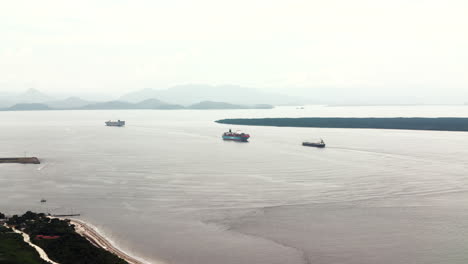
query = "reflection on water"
x=167 y=187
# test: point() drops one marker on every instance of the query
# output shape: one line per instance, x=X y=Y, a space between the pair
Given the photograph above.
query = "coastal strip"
x=97 y=239
x=404 y=123
x=59 y=239
x=39 y=250
x=22 y=160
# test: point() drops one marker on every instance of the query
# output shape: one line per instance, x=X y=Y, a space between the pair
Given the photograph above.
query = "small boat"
x=320 y=144
x=43 y=200
x=118 y=123
x=235 y=136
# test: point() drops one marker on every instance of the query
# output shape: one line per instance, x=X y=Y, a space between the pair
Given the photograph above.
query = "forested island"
x=56 y=237
x=410 y=123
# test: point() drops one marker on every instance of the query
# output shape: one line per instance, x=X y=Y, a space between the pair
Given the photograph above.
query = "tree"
x=14 y=220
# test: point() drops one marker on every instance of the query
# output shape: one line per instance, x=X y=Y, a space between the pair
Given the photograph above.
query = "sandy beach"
x=99 y=240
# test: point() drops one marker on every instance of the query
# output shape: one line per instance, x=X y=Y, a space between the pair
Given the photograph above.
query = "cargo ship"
x=235 y=136
x=320 y=144
x=118 y=123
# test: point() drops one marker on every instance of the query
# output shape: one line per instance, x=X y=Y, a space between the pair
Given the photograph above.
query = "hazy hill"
x=26 y=107
x=140 y=95
x=146 y=104
x=195 y=96
x=215 y=105
x=156 y=104
x=6 y=99
x=109 y=105
x=69 y=103
x=222 y=105
x=32 y=96
x=191 y=94
x=115 y=105
x=5 y=102
x=26 y=97
x=263 y=106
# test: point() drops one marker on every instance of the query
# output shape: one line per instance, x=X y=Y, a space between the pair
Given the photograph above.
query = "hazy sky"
x=406 y=47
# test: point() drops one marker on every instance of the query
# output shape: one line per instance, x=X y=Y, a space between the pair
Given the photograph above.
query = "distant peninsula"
x=413 y=123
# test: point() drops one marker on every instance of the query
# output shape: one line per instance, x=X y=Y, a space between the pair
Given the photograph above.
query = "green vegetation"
x=13 y=250
x=69 y=247
x=442 y=124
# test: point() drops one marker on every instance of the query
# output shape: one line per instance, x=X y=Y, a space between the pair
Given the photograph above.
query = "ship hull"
x=316 y=145
x=234 y=138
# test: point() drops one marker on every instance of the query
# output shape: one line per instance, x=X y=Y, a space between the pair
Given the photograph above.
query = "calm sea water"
x=166 y=187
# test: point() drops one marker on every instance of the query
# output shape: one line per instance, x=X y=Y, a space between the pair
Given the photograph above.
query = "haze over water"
x=166 y=187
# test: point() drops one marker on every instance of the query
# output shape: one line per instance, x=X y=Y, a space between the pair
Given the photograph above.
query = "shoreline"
x=455 y=124
x=99 y=240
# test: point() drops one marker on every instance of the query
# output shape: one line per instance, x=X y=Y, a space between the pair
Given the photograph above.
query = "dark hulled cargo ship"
x=320 y=144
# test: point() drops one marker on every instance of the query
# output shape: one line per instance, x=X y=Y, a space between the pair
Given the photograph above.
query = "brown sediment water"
x=21 y=160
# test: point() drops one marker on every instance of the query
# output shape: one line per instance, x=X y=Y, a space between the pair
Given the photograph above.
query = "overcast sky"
x=405 y=47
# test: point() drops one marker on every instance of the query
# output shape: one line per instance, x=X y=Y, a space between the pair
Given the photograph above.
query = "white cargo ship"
x=118 y=123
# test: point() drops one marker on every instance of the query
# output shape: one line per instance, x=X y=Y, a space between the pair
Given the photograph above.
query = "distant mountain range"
x=177 y=97
x=146 y=104
x=27 y=97
x=33 y=96
x=69 y=103
x=191 y=94
x=221 y=105
x=27 y=107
